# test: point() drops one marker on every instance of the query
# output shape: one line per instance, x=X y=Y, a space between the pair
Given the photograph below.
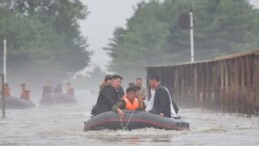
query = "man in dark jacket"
x=108 y=96
x=120 y=92
x=107 y=81
x=47 y=90
x=162 y=102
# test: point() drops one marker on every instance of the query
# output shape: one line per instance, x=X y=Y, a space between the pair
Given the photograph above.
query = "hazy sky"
x=104 y=17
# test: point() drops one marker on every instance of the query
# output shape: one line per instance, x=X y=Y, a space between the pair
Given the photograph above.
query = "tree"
x=133 y=48
x=44 y=37
x=153 y=35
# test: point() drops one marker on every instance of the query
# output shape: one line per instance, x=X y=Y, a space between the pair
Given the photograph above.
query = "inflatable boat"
x=57 y=99
x=133 y=120
x=17 y=103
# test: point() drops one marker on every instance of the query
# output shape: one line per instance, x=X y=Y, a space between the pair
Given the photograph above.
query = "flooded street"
x=63 y=125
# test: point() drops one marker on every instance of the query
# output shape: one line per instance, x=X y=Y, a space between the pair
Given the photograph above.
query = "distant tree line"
x=153 y=35
x=43 y=38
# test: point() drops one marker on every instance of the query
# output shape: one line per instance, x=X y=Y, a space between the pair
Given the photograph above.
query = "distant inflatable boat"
x=57 y=99
x=133 y=120
x=17 y=103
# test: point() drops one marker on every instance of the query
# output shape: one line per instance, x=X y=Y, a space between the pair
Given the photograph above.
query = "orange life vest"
x=25 y=94
x=7 y=92
x=131 y=106
x=70 y=91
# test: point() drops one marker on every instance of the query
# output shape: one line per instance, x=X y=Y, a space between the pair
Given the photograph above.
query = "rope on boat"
x=126 y=127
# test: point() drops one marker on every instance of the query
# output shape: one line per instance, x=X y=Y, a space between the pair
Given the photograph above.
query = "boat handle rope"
x=126 y=127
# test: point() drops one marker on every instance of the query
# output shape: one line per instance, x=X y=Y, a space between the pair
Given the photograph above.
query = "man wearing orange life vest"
x=25 y=95
x=70 y=90
x=130 y=101
x=6 y=90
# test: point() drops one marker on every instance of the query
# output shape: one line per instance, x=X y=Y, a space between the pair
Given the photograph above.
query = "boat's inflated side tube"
x=17 y=103
x=57 y=99
x=133 y=120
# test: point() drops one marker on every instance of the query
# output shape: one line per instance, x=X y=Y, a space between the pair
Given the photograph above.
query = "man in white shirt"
x=173 y=108
x=151 y=100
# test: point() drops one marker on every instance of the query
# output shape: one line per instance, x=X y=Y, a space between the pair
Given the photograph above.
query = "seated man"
x=108 y=96
x=47 y=89
x=25 y=94
x=6 y=90
x=58 y=89
x=129 y=102
x=142 y=92
x=70 y=90
x=107 y=81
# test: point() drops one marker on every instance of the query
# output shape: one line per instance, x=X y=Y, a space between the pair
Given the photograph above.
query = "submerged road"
x=63 y=125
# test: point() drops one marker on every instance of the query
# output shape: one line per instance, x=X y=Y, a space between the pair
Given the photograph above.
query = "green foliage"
x=133 y=48
x=43 y=37
x=153 y=35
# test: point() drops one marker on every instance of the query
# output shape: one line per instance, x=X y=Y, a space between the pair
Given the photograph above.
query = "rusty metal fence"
x=227 y=84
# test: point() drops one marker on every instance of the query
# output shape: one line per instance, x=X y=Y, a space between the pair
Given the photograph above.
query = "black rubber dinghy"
x=57 y=99
x=17 y=103
x=133 y=120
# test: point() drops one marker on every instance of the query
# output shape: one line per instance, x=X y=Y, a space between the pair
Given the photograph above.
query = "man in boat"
x=47 y=89
x=58 y=89
x=108 y=96
x=107 y=81
x=150 y=100
x=25 y=94
x=131 y=84
x=130 y=101
x=70 y=90
x=120 y=92
x=142 y=92
x=7 y=92
x=163 y=105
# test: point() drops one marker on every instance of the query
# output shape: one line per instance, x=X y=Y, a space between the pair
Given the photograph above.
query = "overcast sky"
x=104 y=17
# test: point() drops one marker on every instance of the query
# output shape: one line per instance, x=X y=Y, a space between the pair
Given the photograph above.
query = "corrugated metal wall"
x=227 y=84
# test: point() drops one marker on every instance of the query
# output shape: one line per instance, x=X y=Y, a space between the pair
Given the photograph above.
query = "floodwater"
x=63 y=125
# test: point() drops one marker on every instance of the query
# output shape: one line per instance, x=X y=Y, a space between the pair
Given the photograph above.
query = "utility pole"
x=3 y=75
x=2 y=95
x=4 y=61
x=3 y=80
x=191 y=33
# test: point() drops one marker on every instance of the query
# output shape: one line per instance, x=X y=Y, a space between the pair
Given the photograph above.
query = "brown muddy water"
x=62 y=125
